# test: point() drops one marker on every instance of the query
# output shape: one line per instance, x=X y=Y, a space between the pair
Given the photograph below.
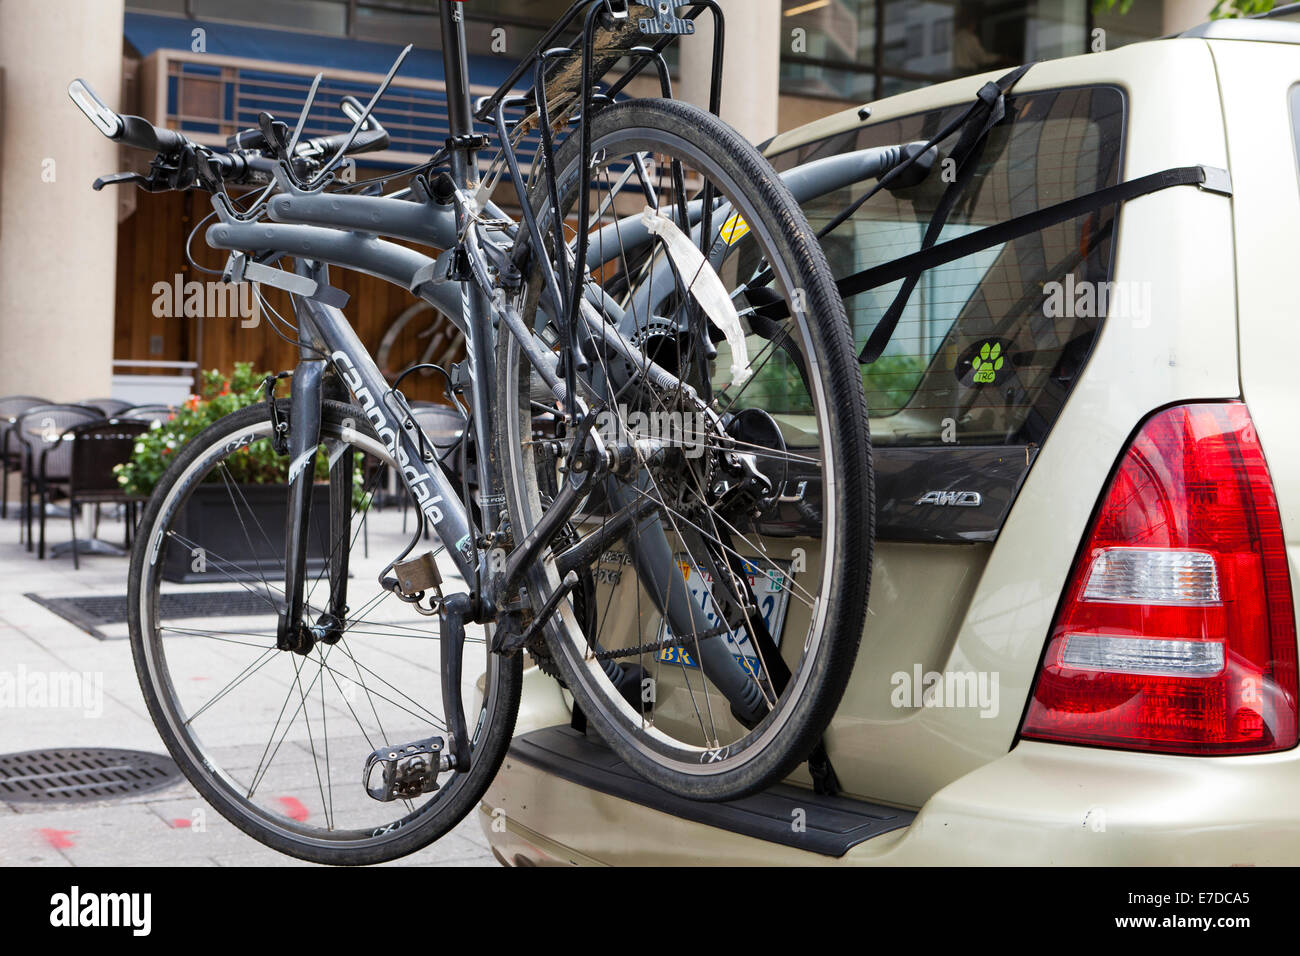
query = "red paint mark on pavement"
x=58 y=838
x=180 y=823
x=294 y=809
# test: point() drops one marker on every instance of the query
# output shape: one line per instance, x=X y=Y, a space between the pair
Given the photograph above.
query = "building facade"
x=94 y=287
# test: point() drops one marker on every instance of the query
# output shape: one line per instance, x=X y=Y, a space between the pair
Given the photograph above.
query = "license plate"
x=771 y=590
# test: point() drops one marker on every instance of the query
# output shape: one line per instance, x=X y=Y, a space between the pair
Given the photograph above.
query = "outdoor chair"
x=145 y=413
x=11 y=457
x=111 y=407
x=96 y=448
x=47 y=455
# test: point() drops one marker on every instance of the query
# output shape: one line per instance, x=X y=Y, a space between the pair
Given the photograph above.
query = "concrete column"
x=58 y=239
x=751 y=67
x=1180 y=15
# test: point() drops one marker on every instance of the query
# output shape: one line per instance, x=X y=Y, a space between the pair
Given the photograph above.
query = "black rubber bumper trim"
x=831 y=826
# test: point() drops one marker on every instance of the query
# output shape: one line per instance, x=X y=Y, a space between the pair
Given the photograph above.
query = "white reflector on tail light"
x=1153 y=576
x=1176 y=630
x=1136 y=655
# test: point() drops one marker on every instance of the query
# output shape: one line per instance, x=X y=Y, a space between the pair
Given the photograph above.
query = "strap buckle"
x=1216 y=181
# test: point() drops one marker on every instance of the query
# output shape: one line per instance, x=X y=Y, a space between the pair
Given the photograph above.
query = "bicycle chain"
x=541 y=654
x=661 y=645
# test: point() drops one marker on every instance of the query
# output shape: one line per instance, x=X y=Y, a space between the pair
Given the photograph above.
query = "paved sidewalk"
x=172 y=826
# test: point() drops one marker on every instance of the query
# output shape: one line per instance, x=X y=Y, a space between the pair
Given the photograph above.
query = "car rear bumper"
x=1040 y=804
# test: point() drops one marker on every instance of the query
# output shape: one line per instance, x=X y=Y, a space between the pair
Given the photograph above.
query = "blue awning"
x=149 y=32
x=416 y=118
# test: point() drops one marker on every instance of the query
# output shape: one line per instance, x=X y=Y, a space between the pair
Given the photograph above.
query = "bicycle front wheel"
x=713 y=630
x=277 y=740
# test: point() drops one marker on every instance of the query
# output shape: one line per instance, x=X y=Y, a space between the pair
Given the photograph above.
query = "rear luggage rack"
x=831 y=825
x=620 y=35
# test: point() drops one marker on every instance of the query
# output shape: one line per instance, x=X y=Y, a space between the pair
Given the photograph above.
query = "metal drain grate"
x=90 y=612
x=81 y=775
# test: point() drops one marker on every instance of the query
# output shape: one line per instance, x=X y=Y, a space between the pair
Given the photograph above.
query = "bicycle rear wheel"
x=275 y=740
x=722 y=598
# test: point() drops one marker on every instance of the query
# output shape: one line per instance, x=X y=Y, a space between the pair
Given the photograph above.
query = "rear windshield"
x=989 y=345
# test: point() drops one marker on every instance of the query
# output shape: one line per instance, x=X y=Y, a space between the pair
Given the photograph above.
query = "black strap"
x=1210 y=178
x=912 y=155
x=973 y=242
x=825 y=781
x=987 y=111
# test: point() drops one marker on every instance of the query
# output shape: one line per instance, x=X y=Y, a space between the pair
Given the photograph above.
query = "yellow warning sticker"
x=734 y=229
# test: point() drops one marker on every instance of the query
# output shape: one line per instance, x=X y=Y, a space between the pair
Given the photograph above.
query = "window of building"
x=853 y=50
x=867 y=49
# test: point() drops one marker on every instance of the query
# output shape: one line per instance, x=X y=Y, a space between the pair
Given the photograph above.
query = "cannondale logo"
x=417 y=478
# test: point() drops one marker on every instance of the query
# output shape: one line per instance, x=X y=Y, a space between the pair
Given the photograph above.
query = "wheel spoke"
x=709 y=495
x=285 y=743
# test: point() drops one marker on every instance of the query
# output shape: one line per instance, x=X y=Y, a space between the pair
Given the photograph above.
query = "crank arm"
x=455 y=609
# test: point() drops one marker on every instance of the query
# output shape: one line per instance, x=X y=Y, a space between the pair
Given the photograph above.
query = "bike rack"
x=610 y=33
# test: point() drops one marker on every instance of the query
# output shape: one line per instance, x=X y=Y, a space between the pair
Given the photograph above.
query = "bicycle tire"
x=806 y=714
x=436 y=817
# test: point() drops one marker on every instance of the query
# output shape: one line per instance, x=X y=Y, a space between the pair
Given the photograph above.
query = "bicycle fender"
x=705 y=286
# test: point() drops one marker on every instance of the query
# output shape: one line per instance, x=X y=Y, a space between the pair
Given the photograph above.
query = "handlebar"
x=128 y=130
x=370 y=138
x=242 y=160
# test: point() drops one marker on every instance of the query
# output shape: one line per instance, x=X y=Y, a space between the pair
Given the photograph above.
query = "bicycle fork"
x=325 y=332
x=312 y=383
x=303 y=438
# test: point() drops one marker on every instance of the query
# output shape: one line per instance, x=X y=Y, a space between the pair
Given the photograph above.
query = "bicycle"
x=438 y=342
x=622 y=506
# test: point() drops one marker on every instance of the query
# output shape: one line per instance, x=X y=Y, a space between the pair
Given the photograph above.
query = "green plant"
x=1223 y=9
x=890 y=381
x=777 y=387
x=219 y=395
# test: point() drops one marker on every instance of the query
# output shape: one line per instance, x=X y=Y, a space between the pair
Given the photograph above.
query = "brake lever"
x=117 y=179
x=150 y=183
x=276 y=134
x=190 y=168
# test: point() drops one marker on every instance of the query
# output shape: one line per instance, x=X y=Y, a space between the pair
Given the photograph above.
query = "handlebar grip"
x=370 y=137
x=140 y=133
x=372 y=134
x=366 y=141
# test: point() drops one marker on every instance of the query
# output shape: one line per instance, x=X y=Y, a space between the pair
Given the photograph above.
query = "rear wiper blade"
x=975 y=124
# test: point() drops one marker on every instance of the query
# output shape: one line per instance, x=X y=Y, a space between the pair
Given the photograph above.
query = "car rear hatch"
x=964 y=397
x=1008 y=394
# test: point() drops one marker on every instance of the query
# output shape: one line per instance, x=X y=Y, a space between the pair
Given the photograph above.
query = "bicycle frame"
x=293 y=234
x=319 y=229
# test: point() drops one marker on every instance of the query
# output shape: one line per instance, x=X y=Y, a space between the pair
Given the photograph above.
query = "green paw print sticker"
x=987 y=363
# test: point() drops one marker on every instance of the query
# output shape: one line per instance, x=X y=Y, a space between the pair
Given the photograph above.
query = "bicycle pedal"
x=418 y=575
x=405 y=772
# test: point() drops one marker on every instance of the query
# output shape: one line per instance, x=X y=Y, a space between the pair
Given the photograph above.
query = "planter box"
x=209 y=520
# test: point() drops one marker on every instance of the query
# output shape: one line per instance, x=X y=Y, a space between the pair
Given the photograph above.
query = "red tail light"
x=1177 y=632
